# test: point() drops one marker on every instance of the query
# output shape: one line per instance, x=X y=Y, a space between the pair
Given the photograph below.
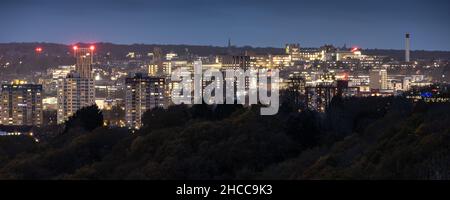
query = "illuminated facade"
x=354 y=54
x=294 y=51
x=142 y=93
x=260 y=61
x=153 y=69
x=296 y=89
x=21 y=104
x=280 y=60
x=310 y=55
x=84 y=57
x=378 y=79
x=74 y=93
x=77 y=89
x=319 y=97
x=236 y=63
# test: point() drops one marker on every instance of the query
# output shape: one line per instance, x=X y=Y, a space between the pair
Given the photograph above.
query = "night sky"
x=363 y=23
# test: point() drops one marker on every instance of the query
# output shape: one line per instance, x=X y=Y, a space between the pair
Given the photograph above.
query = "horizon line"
x=211 y=45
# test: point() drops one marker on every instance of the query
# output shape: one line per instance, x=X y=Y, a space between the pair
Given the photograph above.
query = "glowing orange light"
x=75 y=48
x=355 y=49
x=38 y=49
x=92 y=47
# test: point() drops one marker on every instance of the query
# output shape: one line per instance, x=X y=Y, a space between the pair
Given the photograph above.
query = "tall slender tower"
x=407 y=47
x=229 y=50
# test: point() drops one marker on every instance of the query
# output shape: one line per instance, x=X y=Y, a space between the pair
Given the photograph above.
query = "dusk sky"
x=367 y=24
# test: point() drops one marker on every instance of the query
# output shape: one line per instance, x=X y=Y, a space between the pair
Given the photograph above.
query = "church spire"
x=229 y=51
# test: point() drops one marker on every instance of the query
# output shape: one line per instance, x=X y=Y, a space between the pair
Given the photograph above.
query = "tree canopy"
x=364 y=138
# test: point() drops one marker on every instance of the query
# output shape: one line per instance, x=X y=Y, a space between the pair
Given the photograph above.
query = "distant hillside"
x=27 y=49
x=120 y=50
x=23 y=57
x=418 y=54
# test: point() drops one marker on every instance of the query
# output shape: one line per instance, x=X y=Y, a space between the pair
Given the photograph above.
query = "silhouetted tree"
x=159 y=118
x=303 y=128
x=223 y=111
x=87 y=118
x=201 y=111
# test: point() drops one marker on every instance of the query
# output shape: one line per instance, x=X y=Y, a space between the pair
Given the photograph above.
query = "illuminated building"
x=360 y=81
x=60 y=72
x=378 y=79
x=296 y=89
x=294 y=51
x=50 y=85
x=168 y=66
x=324 y=53
x=142 y=93
x=84 y=57
x=50 y=103
x=74 y=93
x=297 y=83
x=171 y=56
x=77 y=89
x=310 y=55
x=21 y=104
x=153 y=69
x=171 y=85
x=319 y=97
x=280 y=61
x=395 y=85
x=415 y=81
x=236 y=63
x=327 y=77
x=260 y=61
x=131 y=55
x=329 y=53
x=353 y=54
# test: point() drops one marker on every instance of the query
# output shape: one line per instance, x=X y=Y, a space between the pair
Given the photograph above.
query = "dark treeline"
x=361 y=138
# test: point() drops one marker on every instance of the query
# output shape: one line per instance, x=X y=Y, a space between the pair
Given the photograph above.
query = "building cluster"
x=316 y=89
x=310 y=78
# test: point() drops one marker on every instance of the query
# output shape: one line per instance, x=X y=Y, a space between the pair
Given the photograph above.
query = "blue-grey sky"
x=364 y=23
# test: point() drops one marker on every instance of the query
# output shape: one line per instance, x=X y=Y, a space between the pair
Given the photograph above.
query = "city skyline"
x=200 y=90
x=253 y=23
